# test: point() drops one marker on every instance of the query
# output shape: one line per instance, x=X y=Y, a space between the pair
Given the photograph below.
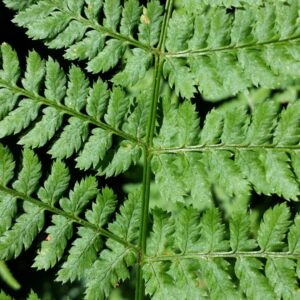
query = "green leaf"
x=279 y=176
x=229 y=51
x=212 y=234
x=186 y=229
x=180 y=127
x=10 y=64
x=212 y=128
x=273 y=229
x=112 y=266
x=5 y=296
x=32 y=296
x=294 y=236
x=125 y=156
x=72 y=33
x=167 y=169
x=87 y=48
x=181 y=26
x=35 y=71
x=93 y=7
x=109 y=270
x=97 y=100
x=262 y=123
x=77 y=89
x=19 y=118
x=217 y=280
x=252 y=166
x=281 y=274
x=56 y=183
x=53 y=247
x=80 y=196
x=81 y=256
x=33 y=12
x=74 y=6
x=29 y=176
x=183 y=272
x=70 y=140
x=18 y=4
x=287 y=131
x=7 y=277
x=150 y=25
x=112 y=11
x=224 y=172
x=128 y=220
x=180 y=77
x=229 y=3
x=107 y=58
x=7 y=165
x=161 y=236
x=22 y=233
x=117 y=107
x=235 y=126
x=239 y=233
x=252 y=282
x=43 y=130
x=158 y=283
x=55 y=81
x=136 y=122
x=49 y=26
x=8 y=210
x=135 y=69
x=94 y=149
x=103 y=207
x=130 y=17
x=7 y=102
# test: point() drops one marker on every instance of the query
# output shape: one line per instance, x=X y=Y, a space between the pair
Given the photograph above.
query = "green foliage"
x=7 y=276
x=263 y=266
x=83 y=255
x=254 y=150
x=75 y=137
x=212 y=211
x=224 y=53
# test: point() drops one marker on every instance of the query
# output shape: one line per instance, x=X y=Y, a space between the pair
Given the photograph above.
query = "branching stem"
x=258 y=254
x=204 y=148
x=67 y=215
x=69 y=111
x=250 y=46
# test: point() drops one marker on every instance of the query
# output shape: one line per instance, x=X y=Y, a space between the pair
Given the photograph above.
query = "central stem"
x=140 y=288
x=139 y=292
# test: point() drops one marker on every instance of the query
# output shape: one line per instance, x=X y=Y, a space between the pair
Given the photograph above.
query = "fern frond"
x=101 y=32
x=259 y=269
x=87 y=107
x=190 y=231
x=23 y=225
x=112 y=266
x=224 y=53
x=236 y=151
